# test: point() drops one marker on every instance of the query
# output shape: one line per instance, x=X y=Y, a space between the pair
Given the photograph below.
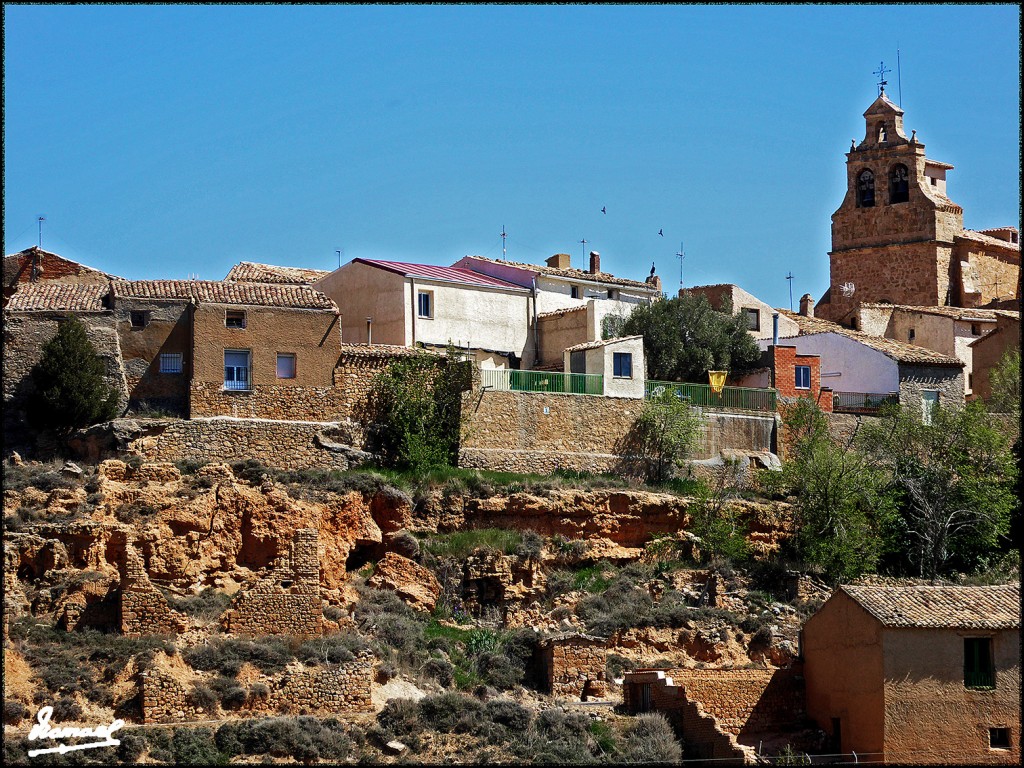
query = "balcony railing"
x=701 y=395
x=980 y=678
x=862 y=402
x=542 y=381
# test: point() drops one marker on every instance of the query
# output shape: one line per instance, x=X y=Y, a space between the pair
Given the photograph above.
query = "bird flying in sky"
x=661 y=233
x=603 y=209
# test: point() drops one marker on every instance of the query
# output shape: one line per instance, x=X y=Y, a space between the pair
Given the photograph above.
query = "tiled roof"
x=251 y=272
x=957 y=313
x=600 y=343
x=15 y=263
x=41 y=297
x=442 y=274
x=573 y=274
x=995 y=607
x=563 y=311
x=979 y=237
x=384 y=350
x=222 y=292
x=896 y=350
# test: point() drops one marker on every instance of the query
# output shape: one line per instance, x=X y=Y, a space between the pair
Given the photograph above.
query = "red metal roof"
x=443 y=274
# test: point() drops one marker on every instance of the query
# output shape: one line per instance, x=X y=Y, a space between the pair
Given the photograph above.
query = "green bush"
x=208 y=604
x=195 y=746
x=449 y=712
x=650 y=740
x=461 y=544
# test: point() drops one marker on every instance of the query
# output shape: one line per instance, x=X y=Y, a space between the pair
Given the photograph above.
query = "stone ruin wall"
x=330 y=690
x=575 y=669
x=144 y=610
x=288 y=601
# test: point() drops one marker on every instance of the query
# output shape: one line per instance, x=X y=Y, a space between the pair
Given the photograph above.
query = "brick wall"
x=288 y=601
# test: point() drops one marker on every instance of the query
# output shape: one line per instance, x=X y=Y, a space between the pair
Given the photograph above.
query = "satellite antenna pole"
x=789 y=276
x=899 y=79
x=41 y=220
x=681 y=255
x=503 y=236
x=338 y=251
x=584 y=241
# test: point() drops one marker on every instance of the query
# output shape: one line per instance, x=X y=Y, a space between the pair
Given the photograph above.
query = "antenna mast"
x=339 y=252
x=899 y=79
x=41 y=220
x=681 y=255
x=503 y=236
x=789 y=276
x=584 y=241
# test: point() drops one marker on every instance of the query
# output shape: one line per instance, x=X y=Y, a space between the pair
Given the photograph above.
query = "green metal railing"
x=701 y=395
x=542 y=381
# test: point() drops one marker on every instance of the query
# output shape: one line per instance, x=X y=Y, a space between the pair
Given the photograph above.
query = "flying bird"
x=603 y=209
x=661 y=233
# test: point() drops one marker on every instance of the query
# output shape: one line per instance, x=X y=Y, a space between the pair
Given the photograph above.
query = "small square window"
x=933 y=180
x=170 y=362
x=139 y=319
x=999 y=738
x=574 y=291
x=803 y=377
x=285 y=365
x=234 y=318
x=753 y=318
x=425 y=304
x=975 y=329
x=622 y=364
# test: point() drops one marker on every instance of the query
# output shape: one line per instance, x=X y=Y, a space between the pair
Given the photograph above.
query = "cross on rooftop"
x=882 y=69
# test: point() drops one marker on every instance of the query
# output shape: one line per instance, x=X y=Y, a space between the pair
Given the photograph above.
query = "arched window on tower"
x=883 y=135
x=899 y=184
x=865 y=189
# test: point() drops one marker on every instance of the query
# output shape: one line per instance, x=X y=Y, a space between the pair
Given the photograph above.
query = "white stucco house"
x=621 y=361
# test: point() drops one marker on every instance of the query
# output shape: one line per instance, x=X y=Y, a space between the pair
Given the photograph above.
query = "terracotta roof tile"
x=251 y=272
x=223 y=292
x=63 y=297
x=896 y=350
x=564 y=311
x=957 y=313
x=574 y=274
x=599 y=343
x=979 y=237
x=152 y=289
x=996 y=607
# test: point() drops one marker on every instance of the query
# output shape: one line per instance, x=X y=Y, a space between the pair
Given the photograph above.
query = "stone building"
x=34 y=265
x=758 y=314
x=898 y=238
x=987 y=353
x=573 y=665
x=917 y=674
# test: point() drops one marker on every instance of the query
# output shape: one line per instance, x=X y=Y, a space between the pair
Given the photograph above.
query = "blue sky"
x=164 y=142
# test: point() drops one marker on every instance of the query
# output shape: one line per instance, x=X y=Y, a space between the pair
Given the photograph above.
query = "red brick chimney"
x=595 y=262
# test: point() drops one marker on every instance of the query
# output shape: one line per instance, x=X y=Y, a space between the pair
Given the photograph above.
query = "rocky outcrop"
x=412 y=582
x=491 y=578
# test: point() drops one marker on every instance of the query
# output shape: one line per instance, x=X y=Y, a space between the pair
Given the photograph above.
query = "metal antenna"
x=881 y=77
x=41 y=220
x=899 y=79
x=339 y=252
x=681 y=255
x=503 y=236
x=789 y=276
x=584 y=241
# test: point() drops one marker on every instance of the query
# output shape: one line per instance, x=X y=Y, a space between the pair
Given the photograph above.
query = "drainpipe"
x=412 y=287
x=369 y=330
x=775 y=329
x=536 y=327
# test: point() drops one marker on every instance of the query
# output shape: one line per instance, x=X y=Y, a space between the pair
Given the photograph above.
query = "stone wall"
x=320 y=690
x=144 y=610
x=574 y=666
x=947 y=380
x=288 y=601
x=281 y=444
x=541 y=432
x=268 y=401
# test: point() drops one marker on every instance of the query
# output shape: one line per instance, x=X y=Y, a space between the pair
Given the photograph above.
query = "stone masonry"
x=144 y=610
x=288 y=601
x=574 y=665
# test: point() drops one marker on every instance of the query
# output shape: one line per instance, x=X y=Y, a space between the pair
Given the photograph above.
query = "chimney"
x=807 y=305
x=595 y=262
x=559 y=261
x=775 y=327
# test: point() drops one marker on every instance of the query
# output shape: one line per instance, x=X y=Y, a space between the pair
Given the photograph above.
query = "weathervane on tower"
x=881 y=77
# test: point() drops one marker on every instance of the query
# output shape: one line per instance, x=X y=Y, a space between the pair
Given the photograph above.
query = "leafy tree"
x=716 y=521
x=70 y=390
x=685 y=337
x=1005 y=380
x=842 y=502
x=418 y=402
x=663 y=435
x=955 y=480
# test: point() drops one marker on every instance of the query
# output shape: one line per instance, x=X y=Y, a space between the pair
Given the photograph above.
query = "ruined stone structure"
x=897 y=238
x=144 y=610
x=34 y=265
x=494 y=579
x=287 y=602
x=574 y=665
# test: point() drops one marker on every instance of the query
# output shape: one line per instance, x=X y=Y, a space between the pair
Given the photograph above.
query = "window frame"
x=574 y=291
x=286 y=356
x=420 y=296
x=797 y=370
x=899 y=189
x=246 y=380
x=979 y=664
x=928 y=405
x=1002 y=735
x=618 y=358
x=138 y=313
x=862 y=188
x=169 y=356
x=239 y=317
x=753 y=315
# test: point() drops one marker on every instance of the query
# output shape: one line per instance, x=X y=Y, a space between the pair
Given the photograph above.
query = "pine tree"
x=70 y=391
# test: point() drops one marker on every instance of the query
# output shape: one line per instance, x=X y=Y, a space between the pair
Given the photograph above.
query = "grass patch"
x=460 y=544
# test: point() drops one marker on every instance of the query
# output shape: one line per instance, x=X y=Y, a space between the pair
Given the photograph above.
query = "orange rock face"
x=410 y=581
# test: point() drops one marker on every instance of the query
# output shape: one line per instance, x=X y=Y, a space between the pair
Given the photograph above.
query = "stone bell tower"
x=892 y=236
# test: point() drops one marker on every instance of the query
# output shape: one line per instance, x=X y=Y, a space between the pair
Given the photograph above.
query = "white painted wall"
x=861 y=368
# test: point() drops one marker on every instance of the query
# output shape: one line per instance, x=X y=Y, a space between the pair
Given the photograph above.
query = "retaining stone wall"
x=746 y=700
x=165 y=700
